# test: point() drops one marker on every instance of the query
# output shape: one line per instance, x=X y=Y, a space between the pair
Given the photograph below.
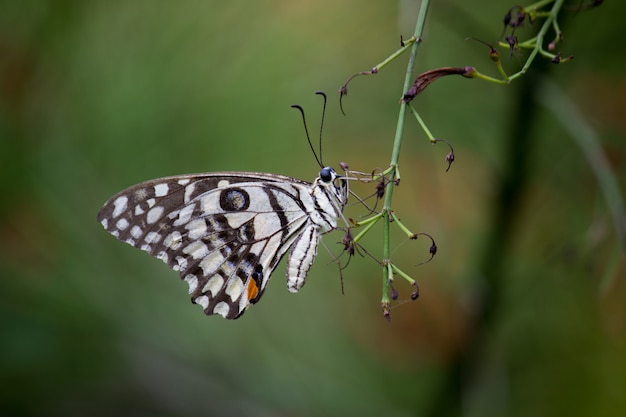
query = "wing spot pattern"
x=154 y=214
x=213 y=285
x=189 y=189
x=211 y=263
x=192 y=281
x=136 y=232
x=234 y=199
x=163 y=256
x=120 y=205
x=196 y=249
x=173 y=240
x=197 y=228
x=161 y=190
x=153 y=237
x=203 y=300
x=122 y=224
x=234 y=288
x=185 y=215
x=222 y=309
x=181 y=264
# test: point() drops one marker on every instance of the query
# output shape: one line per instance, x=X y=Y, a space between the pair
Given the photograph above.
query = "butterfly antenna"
x=321 y=93
x=308 y=137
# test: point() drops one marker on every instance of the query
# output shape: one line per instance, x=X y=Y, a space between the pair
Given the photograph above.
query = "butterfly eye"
x=326 y=174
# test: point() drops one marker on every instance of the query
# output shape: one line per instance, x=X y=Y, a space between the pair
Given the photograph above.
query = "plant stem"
x=408 y=80
x=395 y=153
x=540 y=38
x=537 y=5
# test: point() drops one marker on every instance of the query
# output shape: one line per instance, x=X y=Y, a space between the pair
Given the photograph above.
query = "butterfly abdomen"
x=301 y=257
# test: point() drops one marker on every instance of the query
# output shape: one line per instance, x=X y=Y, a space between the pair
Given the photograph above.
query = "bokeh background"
x=521 y=312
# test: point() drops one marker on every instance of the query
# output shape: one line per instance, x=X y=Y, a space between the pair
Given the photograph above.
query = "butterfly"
x=225 y=232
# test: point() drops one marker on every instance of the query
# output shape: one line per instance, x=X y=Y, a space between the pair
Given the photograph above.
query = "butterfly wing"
x=225 y=233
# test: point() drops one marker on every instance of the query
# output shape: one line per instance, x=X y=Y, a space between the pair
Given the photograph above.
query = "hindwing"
x=225 y=233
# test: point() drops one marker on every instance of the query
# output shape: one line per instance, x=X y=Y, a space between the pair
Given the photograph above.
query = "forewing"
x=223 y=232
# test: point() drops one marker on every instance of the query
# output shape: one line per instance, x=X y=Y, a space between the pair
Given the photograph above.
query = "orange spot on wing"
x=253 y=289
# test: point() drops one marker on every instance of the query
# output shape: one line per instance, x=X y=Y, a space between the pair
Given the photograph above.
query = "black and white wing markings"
x=225 y=233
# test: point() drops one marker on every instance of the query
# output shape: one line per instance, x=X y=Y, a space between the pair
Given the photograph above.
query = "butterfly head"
x=327 y=174
x=329 y=179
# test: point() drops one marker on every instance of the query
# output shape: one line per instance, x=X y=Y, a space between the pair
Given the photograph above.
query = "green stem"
x=402 y=227
x=425 y=128
x=407 y=43
x=395 y=153
x=540 y=38
x=369 y=223
x=537 y=5
x=408 y=80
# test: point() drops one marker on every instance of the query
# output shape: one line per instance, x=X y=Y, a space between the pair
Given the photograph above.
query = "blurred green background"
x=521 y=312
